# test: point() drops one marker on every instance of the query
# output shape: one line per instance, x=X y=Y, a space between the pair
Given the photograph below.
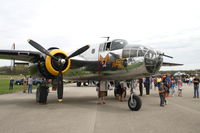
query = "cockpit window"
x=150 y=54
x=107 y=46
x=118 y=44
x=133 y=51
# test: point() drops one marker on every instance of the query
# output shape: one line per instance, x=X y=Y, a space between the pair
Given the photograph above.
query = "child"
x=162 y=91
x=123 y=87
x=179 y=84
x=172 y=86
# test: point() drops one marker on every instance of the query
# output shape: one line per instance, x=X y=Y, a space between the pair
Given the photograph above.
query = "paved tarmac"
x=80 y=113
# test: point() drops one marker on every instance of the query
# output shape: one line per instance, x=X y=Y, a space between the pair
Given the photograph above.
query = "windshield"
x=151 y=54
x=134 y=51
x=118 y=44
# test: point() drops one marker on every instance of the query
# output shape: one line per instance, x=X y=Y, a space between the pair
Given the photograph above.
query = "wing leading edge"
x=22 y=55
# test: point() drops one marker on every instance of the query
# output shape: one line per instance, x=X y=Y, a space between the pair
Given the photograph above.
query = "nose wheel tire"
x=134 y=103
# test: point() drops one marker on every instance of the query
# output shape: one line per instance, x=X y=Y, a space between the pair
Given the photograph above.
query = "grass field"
x=4 y=84
x=4 y=87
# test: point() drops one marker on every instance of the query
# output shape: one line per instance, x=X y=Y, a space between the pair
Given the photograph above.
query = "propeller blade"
x=60 y=84
x=40 y=48
x=79 y=51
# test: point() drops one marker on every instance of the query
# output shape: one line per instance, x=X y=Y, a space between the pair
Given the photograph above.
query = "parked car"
x=19 y=82
x=37 y=81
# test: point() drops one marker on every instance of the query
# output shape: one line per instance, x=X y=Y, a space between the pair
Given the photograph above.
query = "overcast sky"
x=172 y=26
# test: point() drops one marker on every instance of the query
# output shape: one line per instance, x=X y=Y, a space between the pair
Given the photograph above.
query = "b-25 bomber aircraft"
x=110 y=60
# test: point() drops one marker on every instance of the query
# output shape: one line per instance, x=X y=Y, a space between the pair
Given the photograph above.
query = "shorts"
x=102 y=93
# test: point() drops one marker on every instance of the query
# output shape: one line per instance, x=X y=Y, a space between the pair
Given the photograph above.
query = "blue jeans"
x=196 y=90
x=29 y=88
x=162 y=99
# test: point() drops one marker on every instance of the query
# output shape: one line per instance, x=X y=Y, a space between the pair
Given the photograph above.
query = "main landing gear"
x=134 y=102
x=41 y=94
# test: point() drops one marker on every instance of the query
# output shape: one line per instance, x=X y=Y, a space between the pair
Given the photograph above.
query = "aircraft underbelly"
x=131 y=71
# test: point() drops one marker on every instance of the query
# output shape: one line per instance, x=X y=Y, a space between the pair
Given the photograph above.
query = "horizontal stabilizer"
x=171 y=64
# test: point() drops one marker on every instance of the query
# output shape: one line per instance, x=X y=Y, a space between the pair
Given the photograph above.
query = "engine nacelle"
x=51 y=64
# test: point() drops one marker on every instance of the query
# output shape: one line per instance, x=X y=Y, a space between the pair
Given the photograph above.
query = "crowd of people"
x=166 y=85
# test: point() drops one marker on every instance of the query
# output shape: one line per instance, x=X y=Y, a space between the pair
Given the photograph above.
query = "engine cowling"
x=52 y=64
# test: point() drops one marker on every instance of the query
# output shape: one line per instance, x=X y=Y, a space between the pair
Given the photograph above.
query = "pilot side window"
x=107 y=46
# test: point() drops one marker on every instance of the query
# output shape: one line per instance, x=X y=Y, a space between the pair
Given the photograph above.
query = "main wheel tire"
x=134 y=103
x=41 y=95
x=78 y=84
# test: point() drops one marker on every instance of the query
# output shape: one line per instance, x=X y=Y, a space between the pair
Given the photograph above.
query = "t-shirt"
x=123 y=84
x=11 y=81
x=159 y=80
x=162 y=89
x=30 y=81
x=196 y=81
x=103 y=85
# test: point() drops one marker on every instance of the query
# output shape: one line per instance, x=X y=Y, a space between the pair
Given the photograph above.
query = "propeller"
x=79 y=51
x=60 y=61
x=40 y=48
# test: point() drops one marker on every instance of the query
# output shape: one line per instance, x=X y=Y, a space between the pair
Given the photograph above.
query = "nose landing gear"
x=134 y=102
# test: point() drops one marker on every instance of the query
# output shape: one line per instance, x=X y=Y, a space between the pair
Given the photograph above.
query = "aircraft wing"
x=22 y=55
x=33 y=56
x=171 y=64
